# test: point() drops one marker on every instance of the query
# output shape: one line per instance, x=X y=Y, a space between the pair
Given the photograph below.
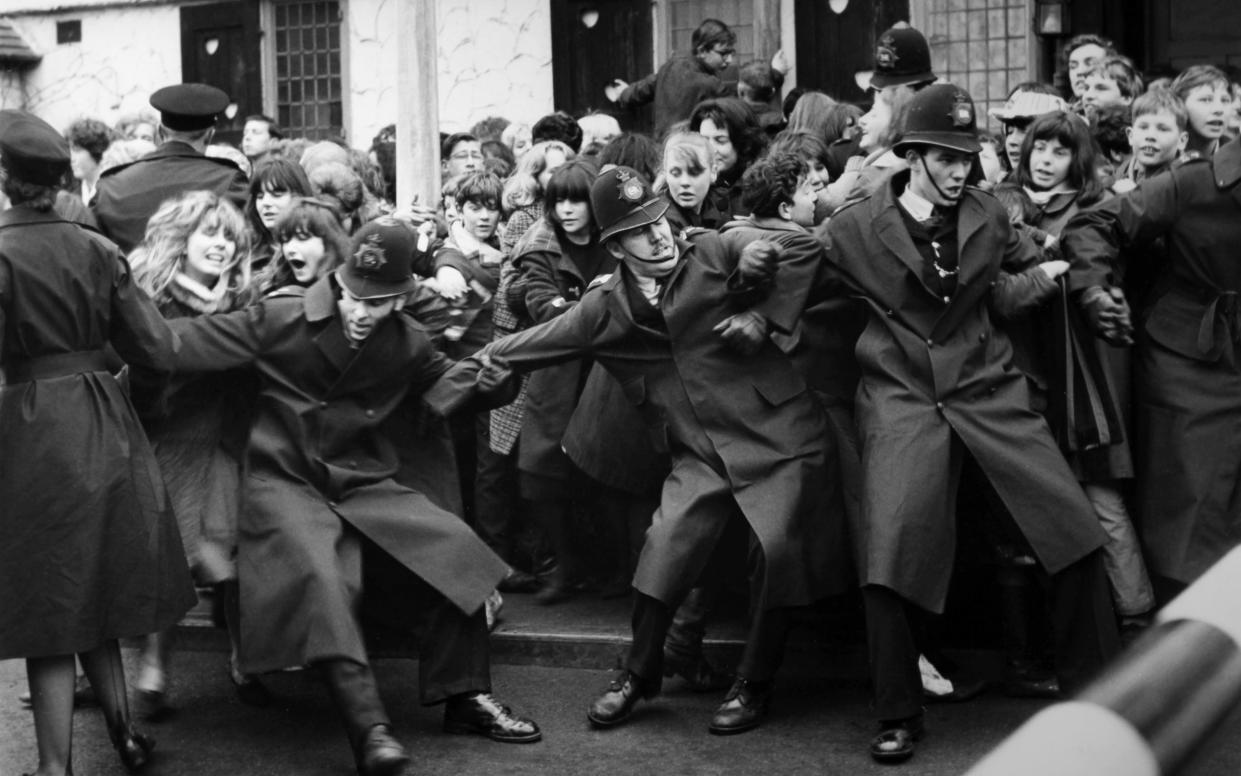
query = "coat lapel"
x=970 y=219
x=891 y=231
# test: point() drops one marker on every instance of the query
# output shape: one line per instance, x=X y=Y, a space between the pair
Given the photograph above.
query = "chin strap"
x=935 y=185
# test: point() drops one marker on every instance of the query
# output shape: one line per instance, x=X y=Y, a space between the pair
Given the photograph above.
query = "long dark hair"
x=276 y=174
x=743 y=130
x=571 y=180
x=1072 y=132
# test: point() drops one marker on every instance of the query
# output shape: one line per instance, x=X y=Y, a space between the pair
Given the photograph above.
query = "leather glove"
x=1108 y=312
x=743 y=332
x=758 y=261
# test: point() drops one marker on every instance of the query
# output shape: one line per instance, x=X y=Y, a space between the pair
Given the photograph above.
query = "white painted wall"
x=494 y=59
x=125 y=54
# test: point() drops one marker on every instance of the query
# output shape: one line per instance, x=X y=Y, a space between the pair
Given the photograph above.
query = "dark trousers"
x=764 y=647
x=496 y=497
x=1083 y=633
x=454 y=653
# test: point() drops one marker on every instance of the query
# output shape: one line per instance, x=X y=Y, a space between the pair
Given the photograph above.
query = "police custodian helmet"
x=940 y=115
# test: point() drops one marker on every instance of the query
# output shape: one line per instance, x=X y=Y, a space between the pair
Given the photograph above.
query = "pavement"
x=819 y=723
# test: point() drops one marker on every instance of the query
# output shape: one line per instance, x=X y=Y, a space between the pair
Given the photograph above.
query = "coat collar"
x=15 y=216
x=1226 y=164
x=891 y=230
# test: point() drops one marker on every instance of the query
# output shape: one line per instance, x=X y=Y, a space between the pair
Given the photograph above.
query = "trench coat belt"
x=58 y=365
x=1220 y=307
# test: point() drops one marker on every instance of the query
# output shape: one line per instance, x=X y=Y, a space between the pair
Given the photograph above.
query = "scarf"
x=194 y=295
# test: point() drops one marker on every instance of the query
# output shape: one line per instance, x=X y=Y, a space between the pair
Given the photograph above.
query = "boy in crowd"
x=467 y=265
x=758 y=85
x=1113 y=81
x=1158 y=136
x=327 y=531
x=743 y=431
x=1207 y=95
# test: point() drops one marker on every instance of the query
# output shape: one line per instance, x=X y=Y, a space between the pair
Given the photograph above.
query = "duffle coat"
x=91 y=550
x=1187 y=373
x=741 y=429
x=317 y=461
x=934 y=371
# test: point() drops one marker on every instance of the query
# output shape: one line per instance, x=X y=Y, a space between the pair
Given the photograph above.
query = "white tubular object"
x=1071 y=739
x=1212 y=599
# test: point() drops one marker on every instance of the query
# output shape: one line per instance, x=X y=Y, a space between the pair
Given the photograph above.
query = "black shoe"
x=132 y=747
x=480 y=714
x=615 y=705
x=896 y=739
x=153 y=705
x=518 y=582
x=557 y=590
x=963 y=689
x=380 y=754
x=744 y=708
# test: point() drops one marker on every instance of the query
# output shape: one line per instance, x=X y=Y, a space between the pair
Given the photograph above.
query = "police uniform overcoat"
x=128 y=195
x=318 y=461
x=934 y=371
x=1187 y=380
x=741 y=429
x=91 y=549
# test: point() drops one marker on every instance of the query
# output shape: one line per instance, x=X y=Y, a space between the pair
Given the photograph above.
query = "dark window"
x=69 y=32
x=308 y=54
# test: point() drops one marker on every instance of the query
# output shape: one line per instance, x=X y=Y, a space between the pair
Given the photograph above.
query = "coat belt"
x=58 y=365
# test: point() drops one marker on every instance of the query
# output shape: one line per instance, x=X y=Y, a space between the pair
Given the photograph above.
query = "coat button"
x=939 y=405
x=930 y=343
x=891 y=313
x=982 y=337
x=323 y=405
x=370 y=413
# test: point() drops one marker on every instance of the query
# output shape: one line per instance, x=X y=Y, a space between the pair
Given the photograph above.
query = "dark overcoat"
x=549 y=274
x=934 y=372
x=742 y=430
x=1187 y=380
x=129 y=194
x=680 y=83
x=91 y=549
x=317 y=461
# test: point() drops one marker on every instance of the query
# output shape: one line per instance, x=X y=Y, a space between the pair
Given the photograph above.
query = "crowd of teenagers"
x=765 y=349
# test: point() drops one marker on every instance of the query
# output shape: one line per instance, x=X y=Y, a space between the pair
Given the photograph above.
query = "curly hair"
x=338 y=185
x=91 y=135
x=161 y=255
x=522 y=188
x=632 y=149
x=35 y=196
x=771 y=182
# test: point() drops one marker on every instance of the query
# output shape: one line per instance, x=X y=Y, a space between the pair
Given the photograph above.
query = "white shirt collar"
x=916 y=205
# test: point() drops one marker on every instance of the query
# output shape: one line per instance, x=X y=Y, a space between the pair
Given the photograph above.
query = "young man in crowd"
x=685 y=79
x=1113 y=81
x=257 y=136
x=924 y=252
x=744 y=432
x=327 y=534
x=461 y=153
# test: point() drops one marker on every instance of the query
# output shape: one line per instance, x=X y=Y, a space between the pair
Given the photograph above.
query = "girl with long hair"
x=195 y=260
x=310 y=242
x=273 y=187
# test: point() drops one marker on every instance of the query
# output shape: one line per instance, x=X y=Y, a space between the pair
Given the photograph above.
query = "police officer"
x=128 y=195
x=926 y=252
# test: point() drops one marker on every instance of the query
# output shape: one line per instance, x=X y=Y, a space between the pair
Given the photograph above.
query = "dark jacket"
x=743 y=430
x=128 y=195
x=552 y=283
x=936 y=374
x=91 y=549
x=1186 y=375
x=318 y=460
x=680 y=84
